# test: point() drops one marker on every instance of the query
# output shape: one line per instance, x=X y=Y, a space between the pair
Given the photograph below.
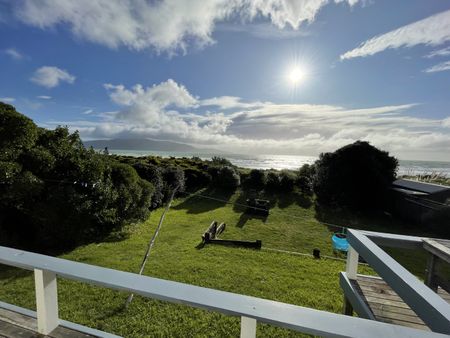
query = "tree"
x=18 y=133
x=356 y=176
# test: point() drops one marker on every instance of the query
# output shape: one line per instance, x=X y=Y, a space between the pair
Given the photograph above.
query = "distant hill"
x=145 y=144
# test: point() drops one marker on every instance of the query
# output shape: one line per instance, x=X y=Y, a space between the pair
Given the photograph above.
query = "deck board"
x=13 y=324
x=385 y=303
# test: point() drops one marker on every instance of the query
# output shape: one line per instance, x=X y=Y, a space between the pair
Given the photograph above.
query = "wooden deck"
x=386 y=305
x=13 y=325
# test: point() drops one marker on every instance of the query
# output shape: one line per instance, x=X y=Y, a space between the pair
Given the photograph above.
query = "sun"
x=296 y=75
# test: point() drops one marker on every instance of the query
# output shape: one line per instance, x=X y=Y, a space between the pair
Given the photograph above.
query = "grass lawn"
x=177 y=256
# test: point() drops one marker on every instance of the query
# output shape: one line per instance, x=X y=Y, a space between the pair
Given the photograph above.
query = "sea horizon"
x=290 y=162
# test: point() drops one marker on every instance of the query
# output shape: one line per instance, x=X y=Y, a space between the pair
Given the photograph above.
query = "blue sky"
x=273 y=76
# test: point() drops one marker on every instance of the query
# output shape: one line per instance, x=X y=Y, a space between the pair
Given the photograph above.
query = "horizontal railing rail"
x=394 y=240
x=250 y=309
x=428 y=305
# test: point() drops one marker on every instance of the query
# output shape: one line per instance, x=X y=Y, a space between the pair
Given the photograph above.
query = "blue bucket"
x=340 y=242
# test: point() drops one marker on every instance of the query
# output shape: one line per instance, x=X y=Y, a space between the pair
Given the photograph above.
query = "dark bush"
x=305 y=177
x=173 y=178
x=225 y=178
x=287 y=181
x=55 y=194
x=154 y=175
x=273 y=182
x=256 y=180
x=196 y=179
x=220 y=161
x=355 y=176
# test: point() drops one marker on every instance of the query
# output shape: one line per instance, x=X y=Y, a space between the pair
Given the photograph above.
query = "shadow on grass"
x=248 y=215
x=200 y=245
x=212 y=199
x=113 y=312
x=369 y=220
x=11 y=272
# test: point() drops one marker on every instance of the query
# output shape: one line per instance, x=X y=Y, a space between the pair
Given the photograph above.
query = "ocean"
x=406 y=167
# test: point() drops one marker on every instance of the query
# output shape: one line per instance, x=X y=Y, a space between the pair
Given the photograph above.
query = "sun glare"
x=296 y=75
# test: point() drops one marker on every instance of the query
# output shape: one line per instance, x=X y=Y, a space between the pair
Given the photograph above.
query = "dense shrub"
x=152 y=174
x=220 y=161
x=287 y=181
x=273 y=182
x=305 y=177
x=355 y=176
x=196 y=179
x=54 y=193
x=173 y=178
x=256 y=180
x=224 y=177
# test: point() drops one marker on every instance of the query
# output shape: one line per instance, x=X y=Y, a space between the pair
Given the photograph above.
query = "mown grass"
x=178 y=256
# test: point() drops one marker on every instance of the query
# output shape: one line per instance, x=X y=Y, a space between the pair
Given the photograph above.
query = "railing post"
x=248 y=327
x=430 y=279
x=46 y=301
x=351 y=271
x=352 y=263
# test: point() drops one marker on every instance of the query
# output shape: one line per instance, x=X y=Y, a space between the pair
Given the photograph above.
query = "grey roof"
x=428 y=188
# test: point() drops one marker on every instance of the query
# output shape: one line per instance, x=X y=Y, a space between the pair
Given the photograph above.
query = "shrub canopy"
x=54 y=193
x=356 y=176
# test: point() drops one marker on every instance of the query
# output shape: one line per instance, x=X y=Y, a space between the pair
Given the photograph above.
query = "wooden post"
x=248 y=327
x=430 y=279
x=352 y=263
x=46 y=301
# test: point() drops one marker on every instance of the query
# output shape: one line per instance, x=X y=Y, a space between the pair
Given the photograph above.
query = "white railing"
x=250 y=309
x=427 y=304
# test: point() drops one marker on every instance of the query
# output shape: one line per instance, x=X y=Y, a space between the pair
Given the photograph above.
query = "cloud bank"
x=169 y=111
x=433 y=31
x=51 y=77
x=166 y=25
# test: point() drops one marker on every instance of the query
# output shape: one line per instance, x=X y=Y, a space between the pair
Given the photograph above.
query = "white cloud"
x=148 y=105
x=14 y=54
x=87 y=112
x=44 y=97
x=7 y=99
x=51 y=76
x=264 y=31
x=229 y=102
x=433 y=31
x=440 y=67
x=166 y=25
x=439 y=52
x=169 y=111
x=446 y=122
